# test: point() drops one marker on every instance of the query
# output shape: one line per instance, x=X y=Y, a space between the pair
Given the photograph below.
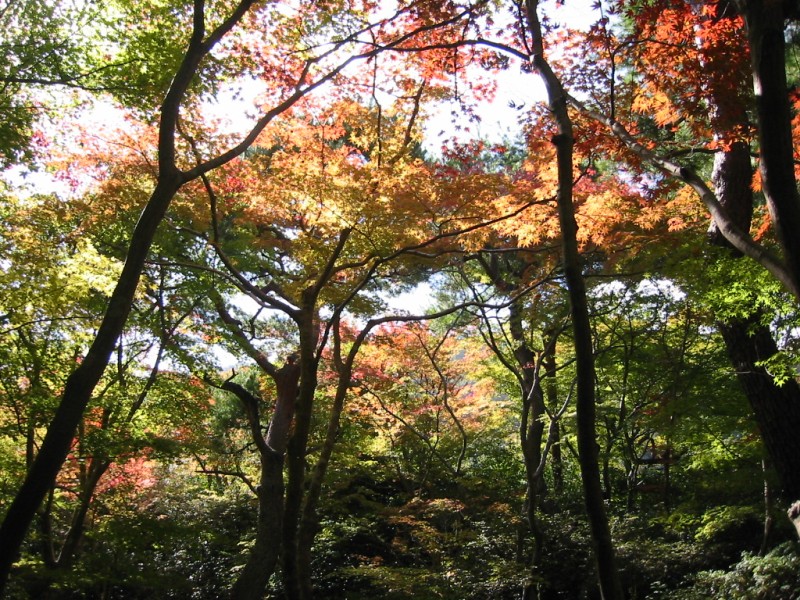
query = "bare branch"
x=738 y=239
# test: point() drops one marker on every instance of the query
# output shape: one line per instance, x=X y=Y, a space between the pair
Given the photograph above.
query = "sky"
x=515 y=89
x=498 y=119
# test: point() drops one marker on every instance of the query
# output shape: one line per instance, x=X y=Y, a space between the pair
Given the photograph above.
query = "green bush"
x=775 y=576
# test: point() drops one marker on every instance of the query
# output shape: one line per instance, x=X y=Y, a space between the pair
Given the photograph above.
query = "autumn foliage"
x=283 y=313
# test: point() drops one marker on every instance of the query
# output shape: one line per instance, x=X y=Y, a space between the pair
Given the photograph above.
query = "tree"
x=291 y=78
x=306 y=245
x=80 y=384
x=281 y=244
x=679 y=95
x=585 y=397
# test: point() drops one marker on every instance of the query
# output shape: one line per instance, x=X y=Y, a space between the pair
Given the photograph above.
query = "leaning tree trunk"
x=81 y=383
x=610 y=585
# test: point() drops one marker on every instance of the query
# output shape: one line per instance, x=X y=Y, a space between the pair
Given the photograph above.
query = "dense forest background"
x=355 y=299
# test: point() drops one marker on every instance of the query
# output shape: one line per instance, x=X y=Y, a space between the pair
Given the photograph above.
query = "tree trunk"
x=732 y=177
x=557 y=465
x=263 y=557
x=776 y=409
x=531 y=437
x=610 y=585
x=82 y=381
x=768 y=507
x=77 y=528
x=764 y=21
x=296 y=571
x=309 y=521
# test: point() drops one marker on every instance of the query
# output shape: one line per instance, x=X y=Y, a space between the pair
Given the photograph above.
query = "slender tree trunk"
x=309 y=521
x=531 y=437
x=77 y=528
x=768 y=506
x=531 y=429
x=309 y=526
x=610 y=585
x=549 y=362
x=82 y=381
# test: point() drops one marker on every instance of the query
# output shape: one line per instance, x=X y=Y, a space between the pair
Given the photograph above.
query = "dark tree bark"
x=296 y=578
x=610 y=585
x=263 y=557
x=776 y=408
x=289 y=428
x=308 y=525
x=748 y=341
x=764 y=21
x=272 y=450
x=81 y=383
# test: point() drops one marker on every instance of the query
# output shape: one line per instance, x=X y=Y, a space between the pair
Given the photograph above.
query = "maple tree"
x=306 y=244
x=291 y=76
x=678 y=101
x=423 y=402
